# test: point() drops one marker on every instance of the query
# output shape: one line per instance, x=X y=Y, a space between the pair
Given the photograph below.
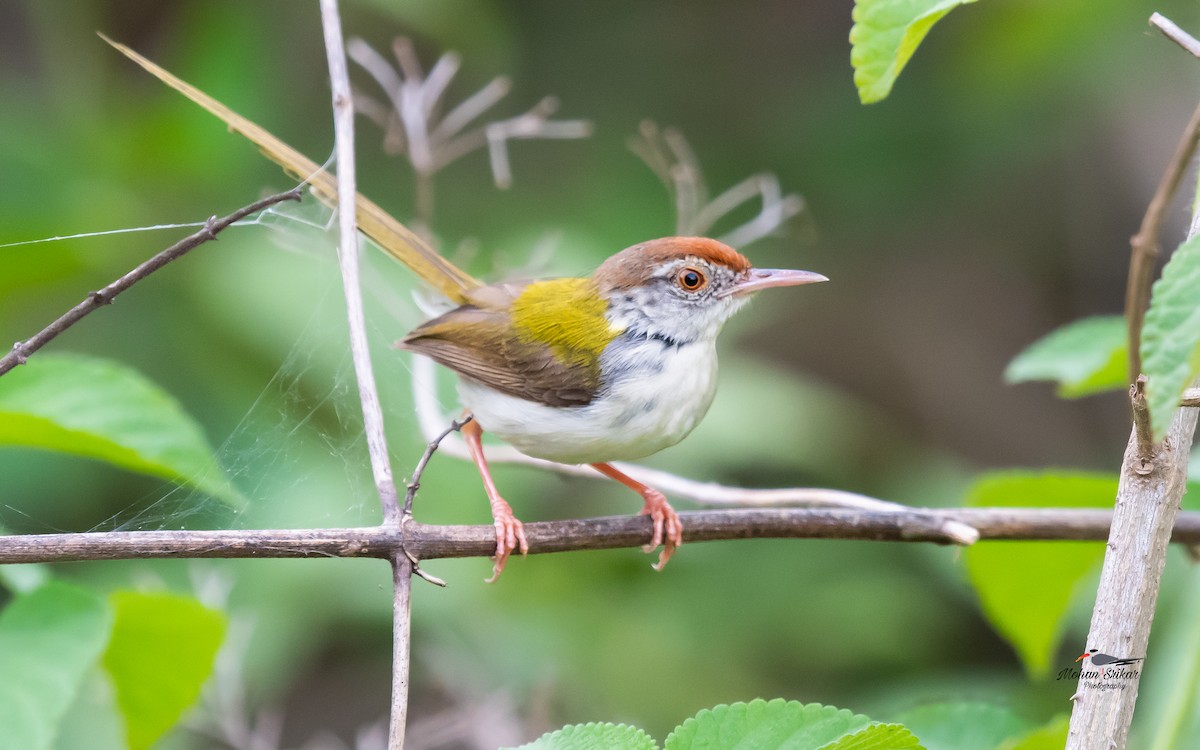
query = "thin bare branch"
x=402 y=573
x=348 y=257
x=430 y=542
x=22 y=350
x=1175 y=34
x=1144 y=244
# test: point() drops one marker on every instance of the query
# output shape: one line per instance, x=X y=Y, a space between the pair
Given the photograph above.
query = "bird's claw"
x=668 y=529
x=510 y=535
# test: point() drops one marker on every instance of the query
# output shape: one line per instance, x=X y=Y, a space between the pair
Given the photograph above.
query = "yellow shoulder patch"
x=568 y=316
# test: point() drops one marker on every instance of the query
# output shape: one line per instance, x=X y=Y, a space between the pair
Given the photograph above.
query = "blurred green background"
x=986 y=202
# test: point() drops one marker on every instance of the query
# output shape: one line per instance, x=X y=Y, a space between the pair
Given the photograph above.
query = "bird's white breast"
x=654 y=394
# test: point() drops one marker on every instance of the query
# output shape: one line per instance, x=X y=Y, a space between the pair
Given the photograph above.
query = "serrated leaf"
x=594 y=737
x=1171 y=335
x=878 y=737
x=1025 y=588
x=885 y=35
x=1084 y=357
x=104 y=410
x=765 y=725
x=49 y=639
x=161 y=652
x=962 y=726
x=1051 y=736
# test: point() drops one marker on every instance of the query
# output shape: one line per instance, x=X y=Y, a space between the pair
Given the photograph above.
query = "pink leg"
x=668 y=529
x=510 y=533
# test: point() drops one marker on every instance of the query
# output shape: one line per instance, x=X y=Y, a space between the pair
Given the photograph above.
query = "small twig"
x=1191 y=397
x=1144 y=463
x=1144 y=244
x=414 y=484
x=1175 y=34
x=22 y=350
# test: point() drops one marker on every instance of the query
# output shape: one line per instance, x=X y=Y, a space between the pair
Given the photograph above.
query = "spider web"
x=298 y=452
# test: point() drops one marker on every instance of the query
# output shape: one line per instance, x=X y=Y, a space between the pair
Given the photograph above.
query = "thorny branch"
x=22 y=350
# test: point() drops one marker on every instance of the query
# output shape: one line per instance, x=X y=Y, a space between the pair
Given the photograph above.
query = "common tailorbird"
x=611 y=367
x=616 y=366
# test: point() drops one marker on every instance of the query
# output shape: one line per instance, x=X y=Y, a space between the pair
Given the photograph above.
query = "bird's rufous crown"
x=635 y=265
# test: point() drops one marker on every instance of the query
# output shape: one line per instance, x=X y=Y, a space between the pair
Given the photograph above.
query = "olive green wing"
x=481 y=344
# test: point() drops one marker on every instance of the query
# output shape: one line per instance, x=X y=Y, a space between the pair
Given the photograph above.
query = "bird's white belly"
x=652 y=402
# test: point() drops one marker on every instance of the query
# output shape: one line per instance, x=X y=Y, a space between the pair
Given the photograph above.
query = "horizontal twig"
x=426 y=542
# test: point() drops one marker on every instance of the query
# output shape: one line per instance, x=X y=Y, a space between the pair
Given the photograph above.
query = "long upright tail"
x=396 y=239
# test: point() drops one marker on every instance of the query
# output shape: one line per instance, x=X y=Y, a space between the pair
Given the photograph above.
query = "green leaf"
x=49 y=640
x=1051 y=736
x=1084 y=357
x=878 y=737
x=594 y=737
x=766 y=725
x=1171 y=335
x=162 y=650
x=962 y=726
x=885 y=35
x=1025 y=588
x=103 y=410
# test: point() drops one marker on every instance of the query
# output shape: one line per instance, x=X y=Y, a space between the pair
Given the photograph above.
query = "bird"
x=615 y=366
x=1104 y=660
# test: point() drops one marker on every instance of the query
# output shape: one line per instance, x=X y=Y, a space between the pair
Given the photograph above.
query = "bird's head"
x=684 y=288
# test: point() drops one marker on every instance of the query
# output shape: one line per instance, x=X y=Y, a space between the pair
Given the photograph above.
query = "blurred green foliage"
x=986 y=202
x=1084 y=357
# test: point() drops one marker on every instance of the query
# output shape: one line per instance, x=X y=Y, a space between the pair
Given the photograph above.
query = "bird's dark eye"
x=691 y=279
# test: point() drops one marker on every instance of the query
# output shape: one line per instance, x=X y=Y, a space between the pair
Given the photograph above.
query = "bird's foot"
x=510 y=536
x=668 y=529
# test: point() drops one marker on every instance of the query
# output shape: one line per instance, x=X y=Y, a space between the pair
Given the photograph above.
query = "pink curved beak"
x=763 y=278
